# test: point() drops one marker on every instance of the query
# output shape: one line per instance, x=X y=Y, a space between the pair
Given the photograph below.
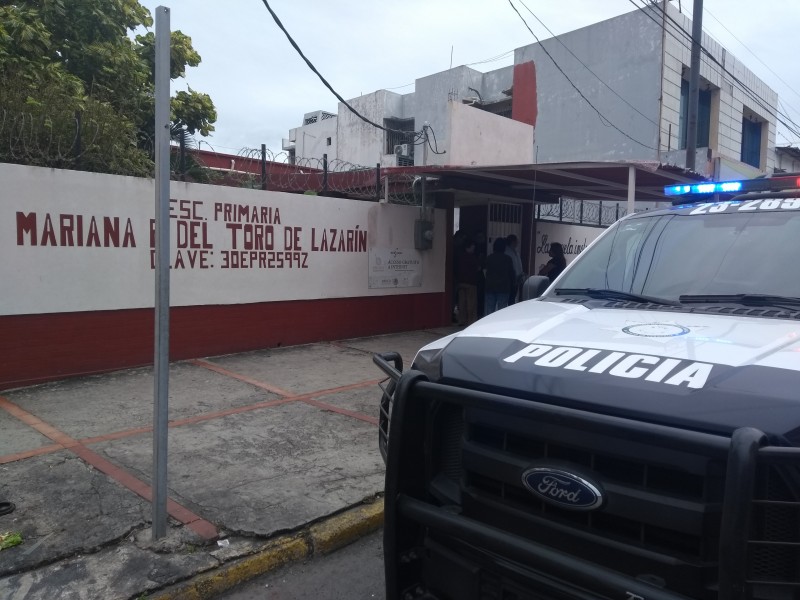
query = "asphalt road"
x=352 y=573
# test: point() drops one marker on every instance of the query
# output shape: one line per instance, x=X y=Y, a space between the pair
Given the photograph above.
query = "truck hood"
x=707 y=372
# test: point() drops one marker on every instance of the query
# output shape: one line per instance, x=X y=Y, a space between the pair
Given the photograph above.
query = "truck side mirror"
x=534 y=287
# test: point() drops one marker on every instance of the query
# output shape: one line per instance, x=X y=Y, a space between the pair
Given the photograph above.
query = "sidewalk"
x=261 y=446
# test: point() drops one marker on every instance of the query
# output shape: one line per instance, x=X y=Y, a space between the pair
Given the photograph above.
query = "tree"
x=68 y=61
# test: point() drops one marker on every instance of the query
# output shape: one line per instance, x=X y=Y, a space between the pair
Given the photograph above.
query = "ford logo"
x=562 y=488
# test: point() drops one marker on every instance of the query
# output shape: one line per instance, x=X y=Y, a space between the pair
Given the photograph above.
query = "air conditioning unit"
x=402 y=150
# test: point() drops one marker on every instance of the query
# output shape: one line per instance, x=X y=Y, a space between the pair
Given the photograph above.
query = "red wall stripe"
x=524 y=103
x=38 y=348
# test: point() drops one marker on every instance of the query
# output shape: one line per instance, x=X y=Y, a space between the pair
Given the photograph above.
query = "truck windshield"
x=674 y=255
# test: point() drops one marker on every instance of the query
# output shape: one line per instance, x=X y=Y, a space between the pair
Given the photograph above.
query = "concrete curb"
x=321 y=538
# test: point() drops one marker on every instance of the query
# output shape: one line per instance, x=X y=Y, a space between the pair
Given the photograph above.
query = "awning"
x=547 y=182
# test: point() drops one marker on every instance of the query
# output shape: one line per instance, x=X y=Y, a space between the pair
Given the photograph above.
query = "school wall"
x=250 y=269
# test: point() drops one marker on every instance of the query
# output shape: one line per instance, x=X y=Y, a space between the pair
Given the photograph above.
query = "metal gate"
x=503 y=219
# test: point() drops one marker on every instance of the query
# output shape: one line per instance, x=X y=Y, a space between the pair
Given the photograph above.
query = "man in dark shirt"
x=467 y=284
x=499 y=277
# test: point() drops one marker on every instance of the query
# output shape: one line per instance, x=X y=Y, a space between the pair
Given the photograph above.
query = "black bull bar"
x=403 y=442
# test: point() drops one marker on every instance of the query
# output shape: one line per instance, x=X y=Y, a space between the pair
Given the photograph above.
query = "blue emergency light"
x=724 y=187
x=760 y=184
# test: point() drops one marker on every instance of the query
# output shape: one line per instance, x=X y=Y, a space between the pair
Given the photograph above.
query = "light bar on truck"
x=762 y=184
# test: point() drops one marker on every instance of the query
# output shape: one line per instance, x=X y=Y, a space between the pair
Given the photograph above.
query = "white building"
x=622 y=96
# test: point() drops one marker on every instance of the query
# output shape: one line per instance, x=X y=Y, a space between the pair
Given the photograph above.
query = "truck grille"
x=704 y=489
x=687 y=513
x=662 y=503
x=774 y=540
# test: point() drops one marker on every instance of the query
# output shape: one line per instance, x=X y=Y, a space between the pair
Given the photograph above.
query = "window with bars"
x=401 y=133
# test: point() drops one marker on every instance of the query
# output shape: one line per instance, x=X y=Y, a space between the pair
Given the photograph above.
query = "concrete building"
x=613 y=91
x=607 y=96
x=787 y=159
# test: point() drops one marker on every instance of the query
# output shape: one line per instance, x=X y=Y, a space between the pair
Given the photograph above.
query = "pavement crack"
x=349 y=347
x=256 y=480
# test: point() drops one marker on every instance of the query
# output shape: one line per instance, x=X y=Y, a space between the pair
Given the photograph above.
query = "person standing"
x=467 y=268
x=480 y=253
x=499 y=277
x=556 y=264
x=512 y=242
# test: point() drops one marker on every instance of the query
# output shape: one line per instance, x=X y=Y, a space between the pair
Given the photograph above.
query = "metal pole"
x=424 y=164
x=378 y=181
x=631 y=189
x=263 y=166
x=423 y=206
x=183 y=155
x=324 y=173
x=425 y=145
x=694 y=85
x=160 y=407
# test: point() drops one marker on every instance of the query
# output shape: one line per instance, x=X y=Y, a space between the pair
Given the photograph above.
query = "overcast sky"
x=262 y=88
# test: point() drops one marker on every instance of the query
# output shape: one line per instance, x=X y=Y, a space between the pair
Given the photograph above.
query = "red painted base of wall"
x=38 y=348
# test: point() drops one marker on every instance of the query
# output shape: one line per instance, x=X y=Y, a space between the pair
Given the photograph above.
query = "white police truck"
x=631 y=433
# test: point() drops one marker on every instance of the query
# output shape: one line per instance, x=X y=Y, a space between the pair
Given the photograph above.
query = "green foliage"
x=44 y=126
x=9 y=540
x=62 y=58
x=193 y=112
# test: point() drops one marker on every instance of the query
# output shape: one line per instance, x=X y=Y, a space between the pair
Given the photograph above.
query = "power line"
x=774 y=112
x=586 y=66
x=790 y=88
x=322 y=79
x=603 y=118
x=752 y=53
x=492 y=59
x=480 y=62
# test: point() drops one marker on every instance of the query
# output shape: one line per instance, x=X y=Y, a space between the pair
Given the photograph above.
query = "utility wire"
x=585 y=65
x=427 y=139
x=774 y=112
x=322 y=79
x=710 y=58
x=790 y=88
x=603 y=118
x=752 y=53
x=480 y=62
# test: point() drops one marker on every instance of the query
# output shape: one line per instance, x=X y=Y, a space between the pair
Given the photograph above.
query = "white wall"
x=478 y=137
x=624 y=55
x=574 y=239
x=359 y=142
x=311 y=141
x=63 y=263
x=786 y=162
x=726 y=128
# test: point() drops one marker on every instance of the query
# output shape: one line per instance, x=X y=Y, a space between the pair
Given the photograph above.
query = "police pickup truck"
x=633 y=433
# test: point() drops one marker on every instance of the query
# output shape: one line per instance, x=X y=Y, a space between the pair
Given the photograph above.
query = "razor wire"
x=93 y=140
x=85 y=141
x=336 y=177
x=79 y=141
x=583 y=212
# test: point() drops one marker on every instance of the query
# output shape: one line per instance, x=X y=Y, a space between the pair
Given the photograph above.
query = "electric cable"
x=321 y=78
x=603 y=118
x=790 y=88
x=774 y=112
x=436 y=151
x=585 y=65
x=709 y=58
